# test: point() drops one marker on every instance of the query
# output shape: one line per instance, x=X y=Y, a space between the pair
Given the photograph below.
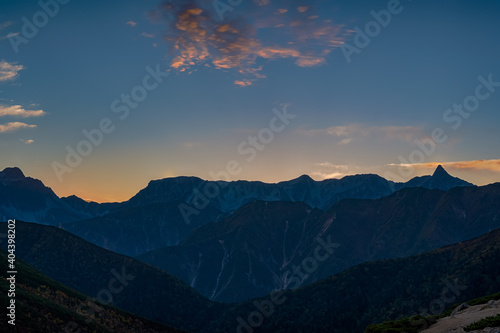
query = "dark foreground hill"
x=347 y=302
x=44 y=305
x=111 y=278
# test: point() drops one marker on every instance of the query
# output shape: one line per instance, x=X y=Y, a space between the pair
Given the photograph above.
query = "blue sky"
x=227 y=71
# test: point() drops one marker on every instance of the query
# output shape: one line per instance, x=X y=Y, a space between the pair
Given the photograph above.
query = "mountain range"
x=181 y=246
x=169 y=209
x=260 y=246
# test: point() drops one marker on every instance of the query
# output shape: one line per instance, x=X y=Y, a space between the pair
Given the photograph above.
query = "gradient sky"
x=227 y=71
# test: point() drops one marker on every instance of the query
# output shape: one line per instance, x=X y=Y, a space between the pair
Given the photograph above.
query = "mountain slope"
x=43 y=305
x=375 y=291
x=110 y=277
x=250 y=253
x=242 y=256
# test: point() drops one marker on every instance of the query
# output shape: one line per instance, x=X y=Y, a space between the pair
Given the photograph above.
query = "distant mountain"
x=163 y=223
x=372 y=292
x=249 y=253
x=44 y=305
x=29 y=199
x=90 y=207
x=440 y=180
x=123 y=281
x=132 y=230
x=167 y=210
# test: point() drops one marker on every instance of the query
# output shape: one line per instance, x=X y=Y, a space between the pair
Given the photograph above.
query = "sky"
x=97 y=98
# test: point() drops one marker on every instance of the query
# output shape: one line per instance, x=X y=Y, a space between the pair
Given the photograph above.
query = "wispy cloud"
x=327 y=170
x=351 y=132
x=27 y=141
x=244 y=42
x=19 y=111
x=9 y=71
x=145 y=34
x=488 y=165
x=9 y=35
x=132 y=23
x=14 y=126
x=5 y=24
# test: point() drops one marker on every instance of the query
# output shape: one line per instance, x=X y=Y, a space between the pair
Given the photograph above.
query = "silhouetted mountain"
x=440 y=179
x=44 y=305
x=167 y=210
x=122 y=281
x=90 y=207
x=427 y=283
x=27 y=198
x=135 y=230
x=248 y=254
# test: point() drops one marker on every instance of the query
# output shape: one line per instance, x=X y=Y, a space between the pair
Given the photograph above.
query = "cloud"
x=246 y=40
x=5 y=24
x=144 y=34
x=27 y=141
x=18 y=111
x=10 y=127
x=243 y=83
x=262 y=2
x=479 y=165
x=302 y=9
x=9 y=71
x=351 y=132
x=132 y=23
x=405 y=133
x=328 y=170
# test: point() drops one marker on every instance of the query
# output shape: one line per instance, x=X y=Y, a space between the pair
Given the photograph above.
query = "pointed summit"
x=440 y=172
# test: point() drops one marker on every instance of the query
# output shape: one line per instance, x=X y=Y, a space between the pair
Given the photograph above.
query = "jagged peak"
x=440 y=172
x=12 y=173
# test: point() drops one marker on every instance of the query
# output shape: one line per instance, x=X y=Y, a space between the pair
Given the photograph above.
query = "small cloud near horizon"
x=353 y=132
x=485 y=165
